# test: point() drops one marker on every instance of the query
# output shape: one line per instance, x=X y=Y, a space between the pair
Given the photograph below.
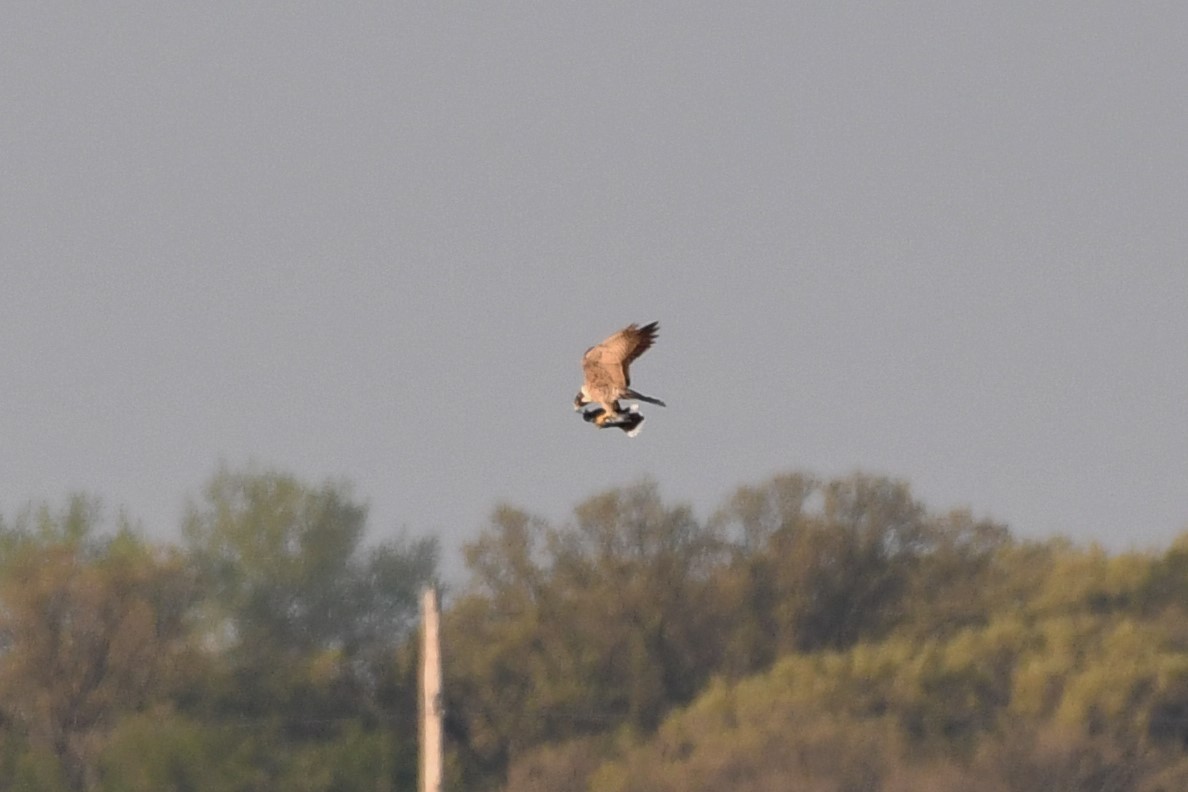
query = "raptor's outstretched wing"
x=607 y=364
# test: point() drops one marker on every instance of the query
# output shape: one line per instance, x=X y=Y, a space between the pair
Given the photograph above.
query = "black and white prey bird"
x=608 y=378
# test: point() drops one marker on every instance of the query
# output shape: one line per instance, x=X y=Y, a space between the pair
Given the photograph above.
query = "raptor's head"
x=580 y=401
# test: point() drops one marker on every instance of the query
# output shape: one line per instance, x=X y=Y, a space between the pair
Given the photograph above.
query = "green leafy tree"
x=91 y=628
x=575 y=630
x=819 y=565
x=962 y=560
x=643 y=569
x=308 y=623
x=497 y=663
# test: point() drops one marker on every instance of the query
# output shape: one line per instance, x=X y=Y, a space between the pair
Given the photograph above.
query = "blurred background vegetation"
x=830 y=635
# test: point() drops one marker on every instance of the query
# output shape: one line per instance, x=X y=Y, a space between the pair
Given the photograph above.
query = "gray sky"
x=946 y=242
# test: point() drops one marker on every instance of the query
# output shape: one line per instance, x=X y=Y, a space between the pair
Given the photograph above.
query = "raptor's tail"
x=630 y=394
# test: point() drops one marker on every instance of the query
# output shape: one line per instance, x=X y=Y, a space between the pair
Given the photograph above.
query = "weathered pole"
x=430 y=692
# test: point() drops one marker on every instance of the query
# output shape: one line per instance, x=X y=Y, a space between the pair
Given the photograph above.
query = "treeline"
x=811 y=635
x=268 y=651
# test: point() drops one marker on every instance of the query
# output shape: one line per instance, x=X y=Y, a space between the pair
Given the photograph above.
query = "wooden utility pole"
x=430 y=692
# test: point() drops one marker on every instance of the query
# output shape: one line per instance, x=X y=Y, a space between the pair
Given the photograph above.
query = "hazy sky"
x=946 y=242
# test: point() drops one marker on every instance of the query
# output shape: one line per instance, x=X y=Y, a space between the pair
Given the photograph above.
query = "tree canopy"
x=269 y=651
x=816 y=634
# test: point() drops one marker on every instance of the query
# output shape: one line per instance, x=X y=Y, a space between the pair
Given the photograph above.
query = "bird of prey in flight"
x=608 y=378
